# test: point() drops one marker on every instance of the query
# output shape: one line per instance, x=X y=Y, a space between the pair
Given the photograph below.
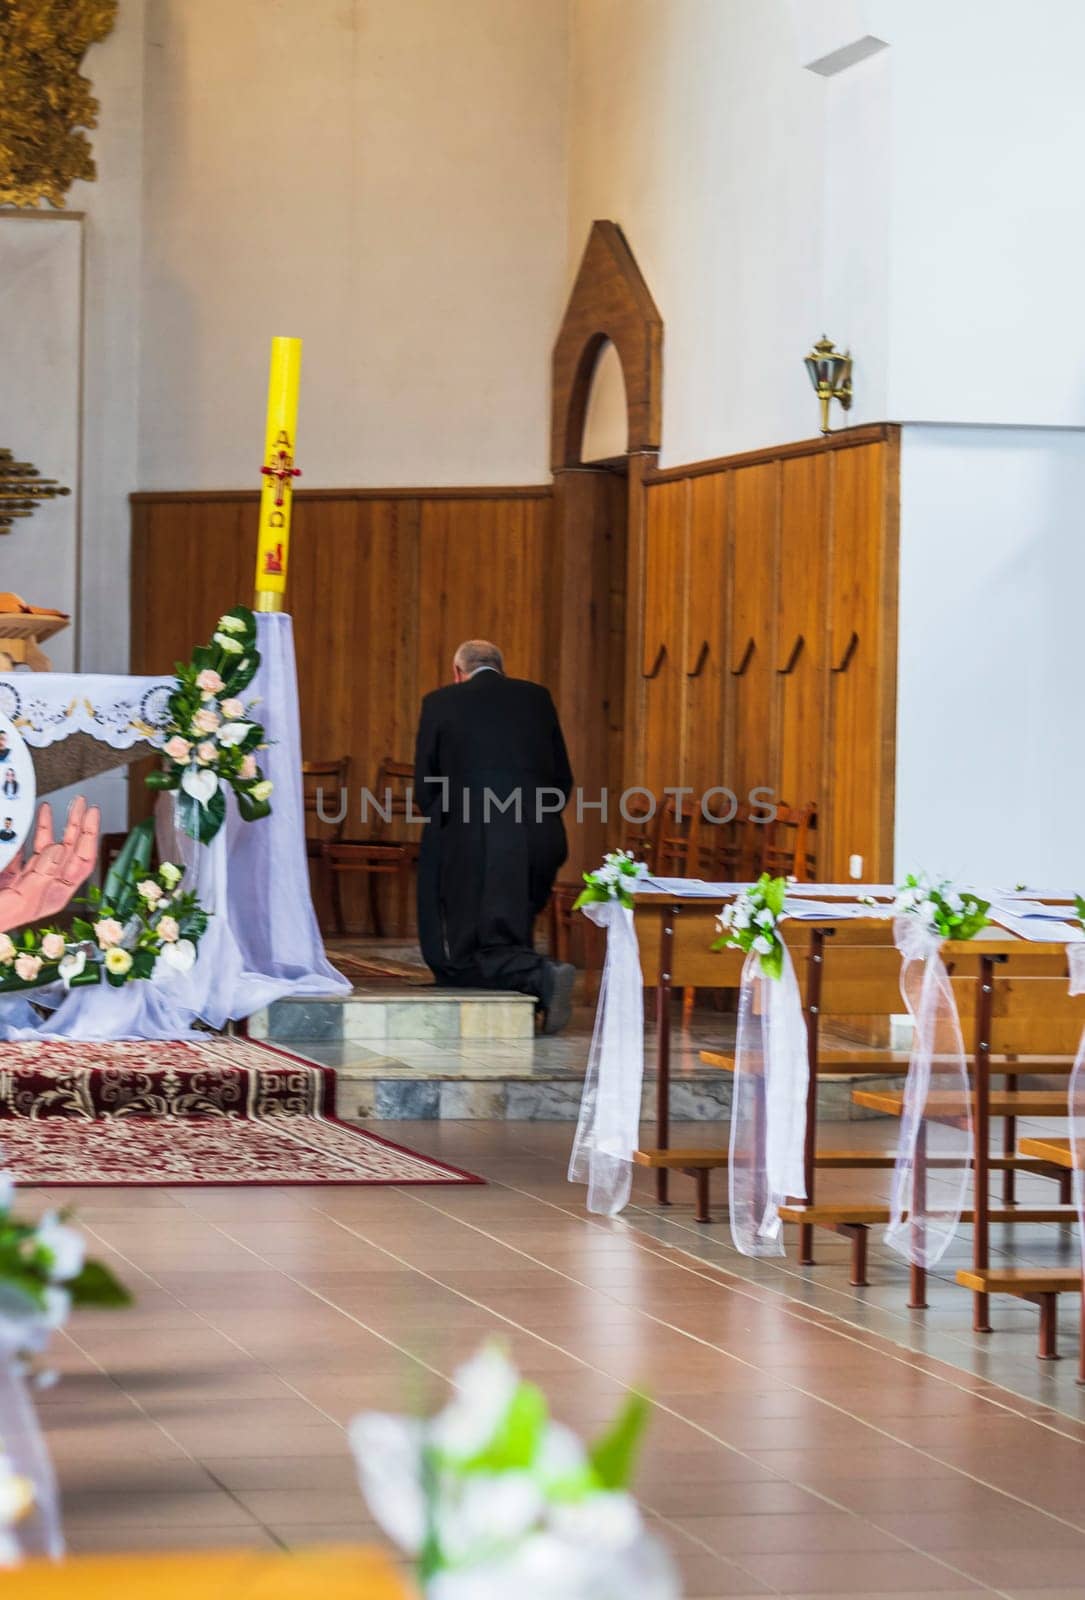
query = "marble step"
x=430 y=1015
x=507 y=1085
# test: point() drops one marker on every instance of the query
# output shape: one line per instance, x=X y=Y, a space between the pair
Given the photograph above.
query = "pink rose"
x=168 y=931
x=177 y=748
x=206 y=753
x=248 y=766
x=206 y=721
x=27 y=966
x=209 y=681
x=108 y=932
x=53 y=946
x=232 y=709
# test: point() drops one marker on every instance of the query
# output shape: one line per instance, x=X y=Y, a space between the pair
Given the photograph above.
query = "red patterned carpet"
x=179 y=1112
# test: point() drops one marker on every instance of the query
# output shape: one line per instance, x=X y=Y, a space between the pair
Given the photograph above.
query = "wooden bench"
x=1040 y=1285
x=1060 y=1153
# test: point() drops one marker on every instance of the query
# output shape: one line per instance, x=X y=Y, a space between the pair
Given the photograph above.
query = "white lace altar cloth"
x=48 y=707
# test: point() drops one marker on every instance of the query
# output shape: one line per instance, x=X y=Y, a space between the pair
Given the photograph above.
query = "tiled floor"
x=802 y=1443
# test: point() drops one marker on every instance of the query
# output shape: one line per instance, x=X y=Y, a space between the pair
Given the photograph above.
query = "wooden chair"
x=723 y=851
x=319 y=779
x=380 y=854
x=787 y=844
x=640 y=830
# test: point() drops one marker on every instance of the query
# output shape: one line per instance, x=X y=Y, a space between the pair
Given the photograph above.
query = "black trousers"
x=481 y=884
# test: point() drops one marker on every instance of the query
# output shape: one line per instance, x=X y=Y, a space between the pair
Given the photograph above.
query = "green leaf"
x=91 y=974
x=614 y=1456
x=518 y=1436
x=198 y=821
x=775 y=891
x=251 y=810
x=96 y=1285
x=772 y=965
x=239 y=677
x=591 y=896
x=82 y=930
x=134 y=856
x=160 y=781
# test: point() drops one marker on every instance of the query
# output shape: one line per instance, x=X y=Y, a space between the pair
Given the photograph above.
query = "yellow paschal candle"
x=279 y=471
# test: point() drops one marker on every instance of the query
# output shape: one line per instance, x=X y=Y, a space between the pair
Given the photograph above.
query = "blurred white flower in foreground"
x=496 y=1502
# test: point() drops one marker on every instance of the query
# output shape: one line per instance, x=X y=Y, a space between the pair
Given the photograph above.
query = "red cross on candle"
x=282 y=470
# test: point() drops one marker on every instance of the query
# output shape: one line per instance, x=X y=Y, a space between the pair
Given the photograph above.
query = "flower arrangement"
x=211 y=737
x=942 y=909
x=751 y=923
x=616 y=879
x=493 y=1499
x=140 y=923
x=44 y=1270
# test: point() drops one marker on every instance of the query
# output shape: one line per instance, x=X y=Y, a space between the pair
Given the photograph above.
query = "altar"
x=78 y=725
x=262 y=941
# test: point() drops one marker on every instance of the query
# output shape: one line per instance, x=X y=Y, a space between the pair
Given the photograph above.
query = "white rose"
x=150 y=891
x=231 y=625
x=64 y=1244
x=232 y=733
x=118 y=962
x=762 y=945
x=170 y=874
x=58 y=1305
x=262 y=790
x=231 y=646
x=765 y=919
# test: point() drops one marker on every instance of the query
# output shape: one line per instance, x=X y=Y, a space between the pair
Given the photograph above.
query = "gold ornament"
x=22 y=488
x=44 y=99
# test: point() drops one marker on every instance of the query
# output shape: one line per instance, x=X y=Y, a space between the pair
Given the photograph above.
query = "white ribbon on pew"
x=934 y=1157
x=768 y=1110
x=1075 y=956
x=608 y=1129
x=39 y=1532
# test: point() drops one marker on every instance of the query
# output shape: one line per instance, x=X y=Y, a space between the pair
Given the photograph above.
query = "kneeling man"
x=492 y=776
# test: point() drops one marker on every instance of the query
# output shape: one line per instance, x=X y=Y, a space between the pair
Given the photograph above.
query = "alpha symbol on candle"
x=282 y=467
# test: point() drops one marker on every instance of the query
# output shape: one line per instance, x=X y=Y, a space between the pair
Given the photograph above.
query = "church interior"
x=725 y=1239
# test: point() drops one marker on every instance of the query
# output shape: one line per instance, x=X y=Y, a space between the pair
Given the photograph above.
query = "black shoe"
x=557 y=995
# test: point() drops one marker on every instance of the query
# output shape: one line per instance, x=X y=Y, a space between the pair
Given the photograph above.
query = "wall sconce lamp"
x=830 y=374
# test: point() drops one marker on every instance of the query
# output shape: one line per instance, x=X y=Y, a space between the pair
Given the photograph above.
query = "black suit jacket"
x=482 y=866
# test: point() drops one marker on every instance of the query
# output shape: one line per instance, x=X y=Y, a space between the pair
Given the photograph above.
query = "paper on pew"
x=1028 y=919
x=846 y=891
x=689 y=888
x=831 y=910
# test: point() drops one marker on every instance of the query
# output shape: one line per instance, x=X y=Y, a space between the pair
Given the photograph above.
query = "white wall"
x=694 y=127
x=988 y=240
x=386 y=181
x=112 y=231
x=990 y=760
x=41 y=335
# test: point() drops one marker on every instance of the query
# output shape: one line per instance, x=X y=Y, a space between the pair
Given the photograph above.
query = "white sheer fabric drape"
x=934 y=1156
x=768 y=1109
x=608 y=1129
x=39 y=1533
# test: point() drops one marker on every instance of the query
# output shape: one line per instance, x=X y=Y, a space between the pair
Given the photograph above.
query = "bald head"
x=474 y=654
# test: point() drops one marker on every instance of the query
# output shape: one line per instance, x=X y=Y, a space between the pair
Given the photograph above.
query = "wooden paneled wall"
x=767 y=648
x=372 y=636
x=754 y=599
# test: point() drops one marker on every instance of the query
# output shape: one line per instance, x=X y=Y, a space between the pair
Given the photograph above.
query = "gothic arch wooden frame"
x=610 y=301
